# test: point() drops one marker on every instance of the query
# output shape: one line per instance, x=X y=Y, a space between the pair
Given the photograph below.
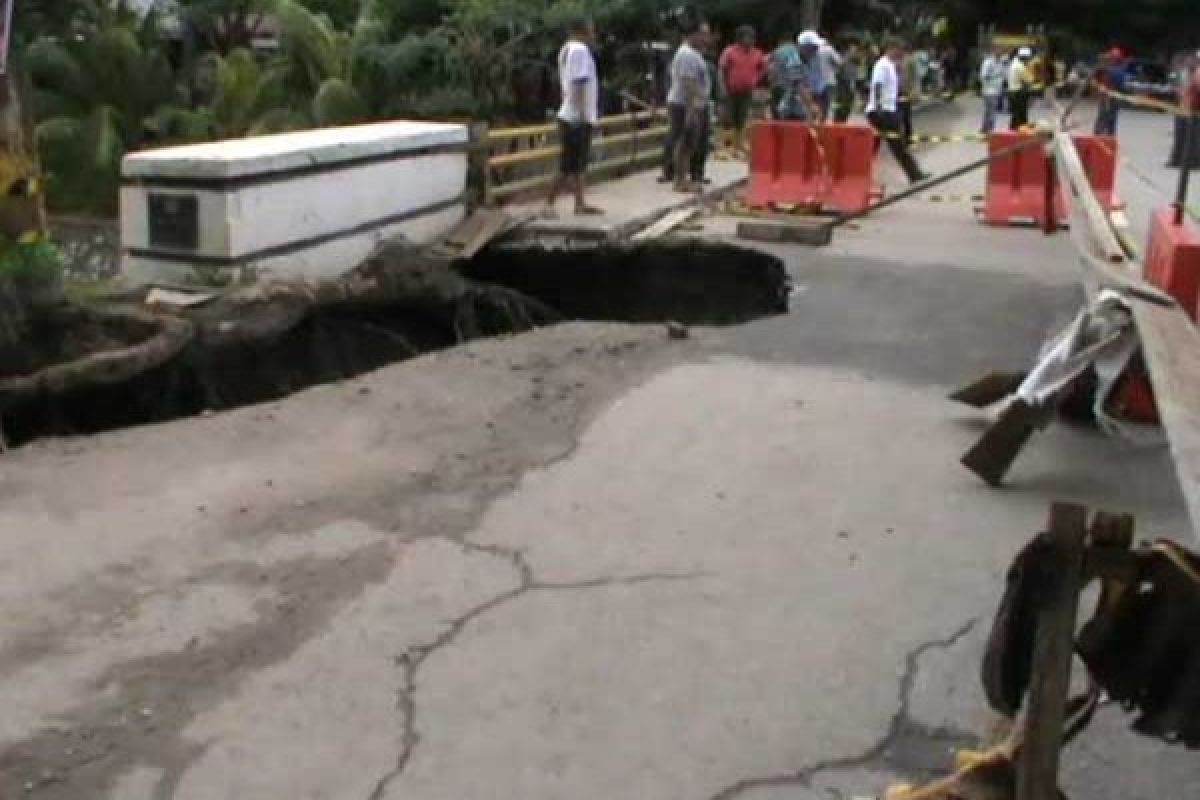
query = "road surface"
x=585 y=562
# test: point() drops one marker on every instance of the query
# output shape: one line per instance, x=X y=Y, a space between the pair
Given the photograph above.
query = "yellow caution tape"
x=939 y=138
x=954 y=198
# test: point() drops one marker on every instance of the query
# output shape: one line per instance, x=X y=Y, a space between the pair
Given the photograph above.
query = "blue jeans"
x=991 y=107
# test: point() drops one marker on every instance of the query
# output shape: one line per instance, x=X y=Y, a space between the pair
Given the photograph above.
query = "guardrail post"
x=1185 y=167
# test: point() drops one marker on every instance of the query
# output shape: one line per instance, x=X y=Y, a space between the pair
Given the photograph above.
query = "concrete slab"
x=259 y=155
x=629 y=203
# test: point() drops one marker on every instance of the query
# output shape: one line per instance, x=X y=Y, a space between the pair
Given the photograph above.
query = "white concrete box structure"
x=310 y=203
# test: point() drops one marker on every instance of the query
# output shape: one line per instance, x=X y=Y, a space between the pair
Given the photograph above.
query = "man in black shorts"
x=578 y=115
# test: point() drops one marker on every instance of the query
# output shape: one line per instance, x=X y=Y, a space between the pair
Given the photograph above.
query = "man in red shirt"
x=742 y=67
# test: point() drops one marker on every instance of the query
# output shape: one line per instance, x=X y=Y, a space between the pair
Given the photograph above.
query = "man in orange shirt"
x=742 y=67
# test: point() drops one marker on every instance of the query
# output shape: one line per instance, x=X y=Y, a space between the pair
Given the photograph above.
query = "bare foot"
x=688 y=187
x=588 y=211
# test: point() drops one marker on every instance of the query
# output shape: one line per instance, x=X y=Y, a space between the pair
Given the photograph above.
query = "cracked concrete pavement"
x=581 y=562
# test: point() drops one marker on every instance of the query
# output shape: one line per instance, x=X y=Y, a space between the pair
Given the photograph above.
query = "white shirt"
x=576 y=66
x=688 y=64
x=1018 y=76
x=885 y=86
x=991 y=76
x=830 y=61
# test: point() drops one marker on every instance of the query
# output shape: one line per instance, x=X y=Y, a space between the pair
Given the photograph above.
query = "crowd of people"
x=811 y=79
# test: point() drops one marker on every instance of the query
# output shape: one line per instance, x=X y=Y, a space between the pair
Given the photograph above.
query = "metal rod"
x=1037 y=140
x=1185 y=168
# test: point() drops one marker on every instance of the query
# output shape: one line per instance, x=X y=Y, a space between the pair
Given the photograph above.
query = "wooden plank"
x=1082 y=197
x=665 y=225
x=547 y=153
x=611 y=121
x=993 y=455
x=1037 y=770
x=475 y=233
x=817 y=233
x=1171 y=350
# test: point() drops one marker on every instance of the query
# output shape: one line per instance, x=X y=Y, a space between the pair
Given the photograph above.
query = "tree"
x=92 y=95
x=225 y=24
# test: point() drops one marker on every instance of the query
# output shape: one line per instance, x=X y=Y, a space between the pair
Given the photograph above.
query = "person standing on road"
x=784 y=54
x=829 y=61
x=742 y=67
x=688 y=110
x=578 y=115
x=1189 y=98
x=991 y=79
x=883 y=110
x=1020 y=86
x=847 y=77
x=1110 y=77
x=801 y=81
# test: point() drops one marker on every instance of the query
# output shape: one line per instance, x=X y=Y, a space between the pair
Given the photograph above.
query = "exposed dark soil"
x=70 y=334
x=266 y=342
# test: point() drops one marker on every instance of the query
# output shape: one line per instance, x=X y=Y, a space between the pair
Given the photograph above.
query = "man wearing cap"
x=883 y=109
x=1020 y=86
x=1110 y=77
x=801 y=80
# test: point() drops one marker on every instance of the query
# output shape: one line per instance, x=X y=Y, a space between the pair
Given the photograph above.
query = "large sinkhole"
x=84 y=370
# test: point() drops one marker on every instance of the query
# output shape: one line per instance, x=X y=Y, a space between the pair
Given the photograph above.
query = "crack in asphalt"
x=898 y=725
x=412 y=659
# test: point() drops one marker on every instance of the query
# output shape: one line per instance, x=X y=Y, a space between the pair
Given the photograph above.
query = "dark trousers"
x=904 y=109
x=1018 y=102
x=843 y=103
x=1180 y=158
x=891 y=127
x=1106 y=117
x=695 y=139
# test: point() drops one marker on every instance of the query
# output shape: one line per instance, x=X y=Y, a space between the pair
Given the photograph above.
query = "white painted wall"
x=278 y=210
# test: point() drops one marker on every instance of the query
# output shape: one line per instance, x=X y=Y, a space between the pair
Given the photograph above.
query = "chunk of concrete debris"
x=815 y=232
x=677 y=330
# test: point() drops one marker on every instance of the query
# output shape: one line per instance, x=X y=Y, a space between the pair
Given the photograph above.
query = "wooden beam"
x=547 y=153
x=1037 y=769
x=666 y=224
x=1084 y=199
x=815 y=232
x=1170 y=342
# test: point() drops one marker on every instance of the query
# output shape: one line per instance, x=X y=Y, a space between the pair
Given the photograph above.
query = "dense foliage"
x=106 y=80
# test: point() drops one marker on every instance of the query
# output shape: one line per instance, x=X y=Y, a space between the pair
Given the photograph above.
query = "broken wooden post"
x=1037 y=769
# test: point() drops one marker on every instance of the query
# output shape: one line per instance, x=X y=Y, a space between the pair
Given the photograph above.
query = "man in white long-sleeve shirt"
x=883 y=110
x=992 y=77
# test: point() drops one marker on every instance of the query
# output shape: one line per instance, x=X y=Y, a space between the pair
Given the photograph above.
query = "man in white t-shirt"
x=578 y=115
x=883 y=109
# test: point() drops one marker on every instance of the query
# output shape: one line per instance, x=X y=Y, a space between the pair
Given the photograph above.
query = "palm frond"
x=338 y=103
